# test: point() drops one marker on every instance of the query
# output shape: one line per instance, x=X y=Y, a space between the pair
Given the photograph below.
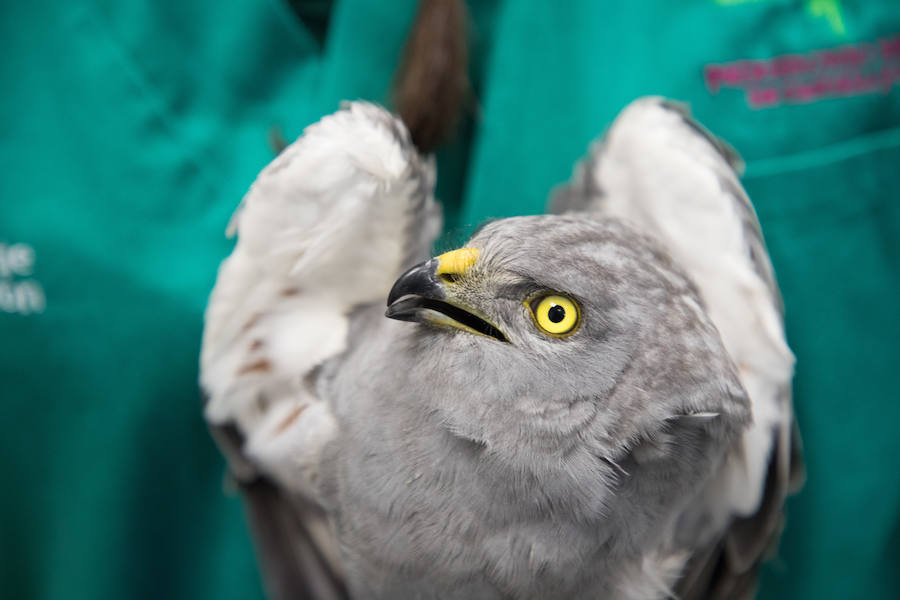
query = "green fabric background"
x=129 y=132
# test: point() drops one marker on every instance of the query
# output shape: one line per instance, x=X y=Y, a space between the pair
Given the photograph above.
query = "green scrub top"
x=129 y=133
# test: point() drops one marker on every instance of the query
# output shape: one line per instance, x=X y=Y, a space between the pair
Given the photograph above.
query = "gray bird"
x=589 y=404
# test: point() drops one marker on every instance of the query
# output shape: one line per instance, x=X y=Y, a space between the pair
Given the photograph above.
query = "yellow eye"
x=556 y=315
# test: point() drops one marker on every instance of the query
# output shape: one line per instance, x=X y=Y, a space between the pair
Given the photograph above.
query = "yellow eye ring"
x=555 y=315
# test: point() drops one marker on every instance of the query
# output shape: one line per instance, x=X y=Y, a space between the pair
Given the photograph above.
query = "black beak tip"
x=407 y=308
x=419 y=280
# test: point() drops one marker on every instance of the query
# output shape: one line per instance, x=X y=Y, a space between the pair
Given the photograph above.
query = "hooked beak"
x=420 y=296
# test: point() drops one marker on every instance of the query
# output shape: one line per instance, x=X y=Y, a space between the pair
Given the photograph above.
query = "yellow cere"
x=454 y=264
x=556 y=315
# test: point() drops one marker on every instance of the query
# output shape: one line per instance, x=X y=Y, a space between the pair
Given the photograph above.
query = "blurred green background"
x=130 y=130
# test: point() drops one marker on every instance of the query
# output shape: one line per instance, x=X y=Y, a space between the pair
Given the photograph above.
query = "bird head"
x=549 y=332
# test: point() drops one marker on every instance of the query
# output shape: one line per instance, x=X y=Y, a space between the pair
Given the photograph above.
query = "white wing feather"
x=326 y=227
x=671 y=179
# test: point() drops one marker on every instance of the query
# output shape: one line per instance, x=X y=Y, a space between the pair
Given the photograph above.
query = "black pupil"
x=556 y=313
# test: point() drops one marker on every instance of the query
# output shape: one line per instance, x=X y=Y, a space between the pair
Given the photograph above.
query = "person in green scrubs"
x=130 y=131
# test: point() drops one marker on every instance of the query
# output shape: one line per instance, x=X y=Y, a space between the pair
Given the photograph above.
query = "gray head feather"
x=469 y=449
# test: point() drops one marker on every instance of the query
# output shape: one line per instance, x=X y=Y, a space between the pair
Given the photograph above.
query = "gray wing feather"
x=327 y=227
x=291 y=558
x=295 y=562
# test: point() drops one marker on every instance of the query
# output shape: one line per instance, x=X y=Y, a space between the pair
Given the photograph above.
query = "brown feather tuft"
x=432 y=82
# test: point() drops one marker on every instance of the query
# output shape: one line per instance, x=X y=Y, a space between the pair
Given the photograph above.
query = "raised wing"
x=667 y=175
x=326 y=227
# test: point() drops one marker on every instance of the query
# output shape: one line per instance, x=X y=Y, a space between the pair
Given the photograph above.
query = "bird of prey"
x=592 y=403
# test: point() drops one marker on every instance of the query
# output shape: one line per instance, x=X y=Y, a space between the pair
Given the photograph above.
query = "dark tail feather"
x=432 y=83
